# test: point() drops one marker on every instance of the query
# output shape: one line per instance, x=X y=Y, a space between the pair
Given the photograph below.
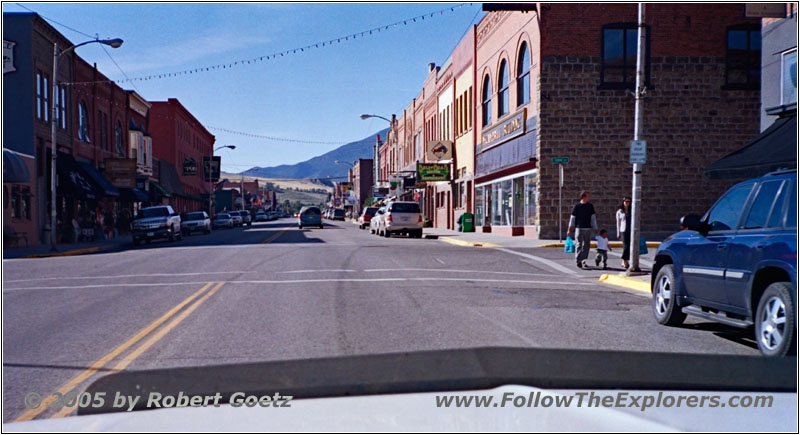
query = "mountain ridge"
x=324 y=165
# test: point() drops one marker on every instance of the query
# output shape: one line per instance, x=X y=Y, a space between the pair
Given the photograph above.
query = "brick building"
x=180 y=143
x=361 y=179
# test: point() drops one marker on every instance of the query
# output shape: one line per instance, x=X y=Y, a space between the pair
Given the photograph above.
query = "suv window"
x=726 y=212
x=762 y=205
x=404 y=207
x=791 y=214
x=153 y=212
x=371 y=211
x=311 y=210
x=195 y=216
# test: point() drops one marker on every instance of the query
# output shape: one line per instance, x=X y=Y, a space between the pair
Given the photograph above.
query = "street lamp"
x=376 y=157
x=210 y=179
x=113 y=43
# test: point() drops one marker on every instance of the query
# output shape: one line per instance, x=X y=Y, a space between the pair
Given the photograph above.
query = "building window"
x=39 y=96
x=523 y=76
x=789 y=77
x=502 y=92
x=20 y=202
x=118 y=139
x=530 y=200
x=42 y=97
x=101 y=140
x=83 y=122
x=743 y=58
x=620 y=43
x=61 y=107
x=487 y=101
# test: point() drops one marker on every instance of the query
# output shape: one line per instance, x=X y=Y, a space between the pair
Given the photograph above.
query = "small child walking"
x=602 y=249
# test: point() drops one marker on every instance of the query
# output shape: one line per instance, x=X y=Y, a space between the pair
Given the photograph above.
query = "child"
x=602 y=248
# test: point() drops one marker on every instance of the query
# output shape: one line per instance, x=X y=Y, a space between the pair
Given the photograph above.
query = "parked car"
x=737 y=264
x=223 y=220
x=159 y=222
x=309 y=216
x=338 y=214
x=247 y=218
x=196 y=221
x=375 y=222
x=238 y=220
x=261 y=216
x=401 y=217
x=366 y=216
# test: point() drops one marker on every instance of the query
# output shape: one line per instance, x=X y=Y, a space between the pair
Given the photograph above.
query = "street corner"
x=69 y=253
x=639 y=283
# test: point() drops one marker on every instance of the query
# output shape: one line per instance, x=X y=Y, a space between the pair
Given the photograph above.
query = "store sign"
x=512 y=127
x=433 y=172
x=765 y=10
x=121 y=172
x=8 y=56
x=346 y=187
x=439 y=150
x=189 y=166
x=211 y=167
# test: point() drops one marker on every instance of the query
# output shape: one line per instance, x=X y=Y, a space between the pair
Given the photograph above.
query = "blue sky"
x=316 y=95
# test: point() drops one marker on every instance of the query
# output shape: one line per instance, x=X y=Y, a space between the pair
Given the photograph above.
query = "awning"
x=132 y=195
x=105 y=186
x=170 y=179
x=775 y=148
x=73 y=180
x=14 y=168
x=159 y=189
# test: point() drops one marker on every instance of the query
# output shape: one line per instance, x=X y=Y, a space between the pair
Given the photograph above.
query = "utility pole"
x=636 y=196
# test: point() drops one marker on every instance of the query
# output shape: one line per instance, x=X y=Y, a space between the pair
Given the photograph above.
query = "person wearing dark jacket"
x=584 y=221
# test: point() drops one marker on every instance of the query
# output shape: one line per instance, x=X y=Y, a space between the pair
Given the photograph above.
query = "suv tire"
x=665 y=310
x=775 y=320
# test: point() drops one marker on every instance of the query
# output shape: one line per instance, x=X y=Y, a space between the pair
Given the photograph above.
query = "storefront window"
x=530 y=200
x=503 y=204
x=519 y=202
x=479 y=204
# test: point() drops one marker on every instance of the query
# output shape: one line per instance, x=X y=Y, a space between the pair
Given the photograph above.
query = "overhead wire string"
x=283 y=53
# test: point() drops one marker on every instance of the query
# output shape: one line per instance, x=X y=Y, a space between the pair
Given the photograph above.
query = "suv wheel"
x=387 y=233
x=666 y=311
x=775 y=321
x=171 y=234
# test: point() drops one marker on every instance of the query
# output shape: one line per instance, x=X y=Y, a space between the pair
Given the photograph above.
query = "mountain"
x=323 y=166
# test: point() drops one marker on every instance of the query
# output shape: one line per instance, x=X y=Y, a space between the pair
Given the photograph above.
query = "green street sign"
x=560 y=160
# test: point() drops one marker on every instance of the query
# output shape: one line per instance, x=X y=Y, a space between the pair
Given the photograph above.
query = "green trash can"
x=467 y=223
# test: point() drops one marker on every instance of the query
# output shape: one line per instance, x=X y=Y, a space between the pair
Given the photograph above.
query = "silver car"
x=237 y=219
x=223 y=220
x=196 y=221
x=401 y=217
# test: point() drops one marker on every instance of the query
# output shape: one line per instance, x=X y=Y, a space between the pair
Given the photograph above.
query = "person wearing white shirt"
x=602 y=249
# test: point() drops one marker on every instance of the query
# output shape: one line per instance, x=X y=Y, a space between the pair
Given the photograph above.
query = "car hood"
x=154 y=220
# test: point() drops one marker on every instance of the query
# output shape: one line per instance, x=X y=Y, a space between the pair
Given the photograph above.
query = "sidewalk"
x=65 y=249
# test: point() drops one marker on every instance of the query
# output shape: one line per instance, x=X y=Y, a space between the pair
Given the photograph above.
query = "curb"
x=594 y=245
x=69 y=253
x=627 y=282
x=463 y=243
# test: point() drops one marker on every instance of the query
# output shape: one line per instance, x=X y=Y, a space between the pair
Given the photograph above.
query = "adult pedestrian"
x=624 y=229
x=584 y=221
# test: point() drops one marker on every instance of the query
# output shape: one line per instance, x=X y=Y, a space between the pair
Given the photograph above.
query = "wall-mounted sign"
x=433 y=172
x=439 y=150
x=211 y=167
x=508 y=129
x=121 y=172
x=8 y=56
x=765 y=10
x=189 y=166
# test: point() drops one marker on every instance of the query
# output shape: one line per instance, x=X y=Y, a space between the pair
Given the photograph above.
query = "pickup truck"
x=159 y=222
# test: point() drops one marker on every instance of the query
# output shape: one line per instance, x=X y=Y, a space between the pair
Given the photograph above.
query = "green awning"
x=160 y=189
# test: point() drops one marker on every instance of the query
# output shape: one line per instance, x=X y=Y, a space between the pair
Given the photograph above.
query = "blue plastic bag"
x=569 y=245
x=642 y=246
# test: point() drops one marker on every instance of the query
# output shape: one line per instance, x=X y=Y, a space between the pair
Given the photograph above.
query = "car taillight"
x=388 y=217
x=420 y=219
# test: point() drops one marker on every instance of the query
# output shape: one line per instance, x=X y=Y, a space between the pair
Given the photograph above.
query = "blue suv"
x=736 y=265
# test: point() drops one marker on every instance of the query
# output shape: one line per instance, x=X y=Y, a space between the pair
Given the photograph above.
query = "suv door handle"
x=722 y=246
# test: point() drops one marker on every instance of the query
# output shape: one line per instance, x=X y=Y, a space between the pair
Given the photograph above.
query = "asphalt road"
x=273 y=292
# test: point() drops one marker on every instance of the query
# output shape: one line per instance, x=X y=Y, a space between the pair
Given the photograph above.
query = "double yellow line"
x=198 y=297
x=275 y=236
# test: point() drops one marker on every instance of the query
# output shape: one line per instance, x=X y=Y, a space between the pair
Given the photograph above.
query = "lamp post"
x=376 y=159
x=113 y=43
x=211 y=180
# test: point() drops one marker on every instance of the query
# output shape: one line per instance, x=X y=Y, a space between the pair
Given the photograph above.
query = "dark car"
x=309 y=216
x=337 y=214
x=737 y=264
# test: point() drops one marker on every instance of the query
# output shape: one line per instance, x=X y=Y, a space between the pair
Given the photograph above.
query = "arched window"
x=523 y=76
x=83 y=122
x=502 y=89
x=118 y=139
x=487 y=101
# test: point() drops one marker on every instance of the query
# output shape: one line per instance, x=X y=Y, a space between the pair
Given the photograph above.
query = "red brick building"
x=180 y=142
